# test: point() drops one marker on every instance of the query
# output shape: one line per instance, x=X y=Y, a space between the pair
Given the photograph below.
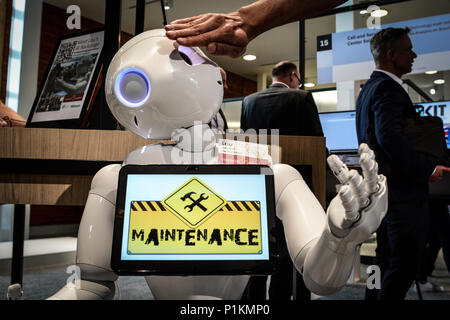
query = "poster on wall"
x=346 y=56
x=65 y=96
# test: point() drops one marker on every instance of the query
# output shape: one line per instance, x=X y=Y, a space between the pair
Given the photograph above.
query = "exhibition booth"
x=116 y=148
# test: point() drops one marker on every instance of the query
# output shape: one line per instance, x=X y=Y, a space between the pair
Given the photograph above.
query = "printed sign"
x=241 y=152
x=346 y=56
x=70 y=78
x=194 y=219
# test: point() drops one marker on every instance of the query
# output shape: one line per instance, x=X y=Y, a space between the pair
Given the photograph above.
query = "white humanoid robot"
x=154 y=87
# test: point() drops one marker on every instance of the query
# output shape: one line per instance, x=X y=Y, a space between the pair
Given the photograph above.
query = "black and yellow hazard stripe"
x=250 y=206
x=147 y=206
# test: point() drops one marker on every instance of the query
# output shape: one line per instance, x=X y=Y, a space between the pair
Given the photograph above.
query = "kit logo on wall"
x=194 y=219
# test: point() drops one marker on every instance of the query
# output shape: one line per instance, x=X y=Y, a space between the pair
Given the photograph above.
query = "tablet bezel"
x=193 y=267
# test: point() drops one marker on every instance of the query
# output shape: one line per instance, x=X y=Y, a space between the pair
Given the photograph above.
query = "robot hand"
x=361 y=203
x=15 y=292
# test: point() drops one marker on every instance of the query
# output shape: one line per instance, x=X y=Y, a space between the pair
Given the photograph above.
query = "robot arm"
x=321 y=246
x=95 y=242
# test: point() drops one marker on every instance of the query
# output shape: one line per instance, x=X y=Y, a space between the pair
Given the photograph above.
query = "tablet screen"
x=199 y=216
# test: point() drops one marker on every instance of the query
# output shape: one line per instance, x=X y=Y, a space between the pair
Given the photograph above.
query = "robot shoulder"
x=283 y=175
x=150 y=154
x=105 y=182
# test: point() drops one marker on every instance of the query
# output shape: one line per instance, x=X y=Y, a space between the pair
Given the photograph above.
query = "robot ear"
x=190 y=56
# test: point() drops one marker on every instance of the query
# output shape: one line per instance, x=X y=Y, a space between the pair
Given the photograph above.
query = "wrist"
x=252 y=20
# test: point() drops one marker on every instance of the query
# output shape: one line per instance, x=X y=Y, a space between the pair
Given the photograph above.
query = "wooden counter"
x=56 y=166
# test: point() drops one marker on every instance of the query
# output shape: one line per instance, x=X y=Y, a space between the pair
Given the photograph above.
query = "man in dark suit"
x=282 y=106
x=381 y=109
x=292 y=111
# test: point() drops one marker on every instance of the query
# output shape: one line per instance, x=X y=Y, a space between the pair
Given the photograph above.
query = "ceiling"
x=271 y=47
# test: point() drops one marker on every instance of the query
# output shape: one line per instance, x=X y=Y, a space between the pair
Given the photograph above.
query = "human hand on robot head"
x=361 y=203
x=155 y=86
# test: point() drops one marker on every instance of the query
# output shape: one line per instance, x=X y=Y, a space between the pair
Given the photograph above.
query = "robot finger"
x=339 y=169
x=357 y=186
x=365 y=149
x=349 y=203
x=370 y=171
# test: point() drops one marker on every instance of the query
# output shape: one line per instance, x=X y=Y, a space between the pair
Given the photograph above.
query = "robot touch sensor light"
x=132 y=87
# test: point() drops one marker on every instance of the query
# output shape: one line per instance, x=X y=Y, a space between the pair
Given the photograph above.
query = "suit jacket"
x=292 y=111
x=384 y=103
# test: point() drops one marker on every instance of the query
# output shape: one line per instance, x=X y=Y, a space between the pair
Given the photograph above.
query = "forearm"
x=328 y=264
x=264 y=15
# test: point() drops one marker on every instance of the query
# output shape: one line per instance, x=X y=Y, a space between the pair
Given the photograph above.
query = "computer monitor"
x=194 y=220
x=440 y=109
x=340 y=131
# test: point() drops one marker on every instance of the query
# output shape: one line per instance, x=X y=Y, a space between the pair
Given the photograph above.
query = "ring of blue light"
x=118 y=84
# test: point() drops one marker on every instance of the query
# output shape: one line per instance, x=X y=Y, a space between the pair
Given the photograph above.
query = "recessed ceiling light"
x=379 y=13
x=168 y=4
x=249 y=57
x=431 y=72
x=363 y=11
x=439 y=81
x=309 y=85
x=433 y=91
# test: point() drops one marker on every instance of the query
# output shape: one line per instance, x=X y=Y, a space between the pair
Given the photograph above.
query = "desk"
x=55 y=166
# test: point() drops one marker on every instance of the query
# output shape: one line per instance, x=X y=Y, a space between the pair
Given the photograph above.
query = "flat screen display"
x=339 y=130
x=208 y=215
x=439 y=109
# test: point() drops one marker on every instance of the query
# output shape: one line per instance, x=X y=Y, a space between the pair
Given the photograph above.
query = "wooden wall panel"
x=54 y=26
x=238 y=86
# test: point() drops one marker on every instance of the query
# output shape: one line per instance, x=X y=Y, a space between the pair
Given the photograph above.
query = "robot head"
x=153 y=86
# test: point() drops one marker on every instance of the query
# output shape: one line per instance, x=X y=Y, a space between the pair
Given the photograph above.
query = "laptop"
x=194 y=220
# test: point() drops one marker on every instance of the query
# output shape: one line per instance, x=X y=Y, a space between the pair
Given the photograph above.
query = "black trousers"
x=401 y=240
x=438 y=237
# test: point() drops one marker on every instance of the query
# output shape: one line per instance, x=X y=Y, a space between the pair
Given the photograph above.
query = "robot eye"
x=132 y=87
x=190 y=56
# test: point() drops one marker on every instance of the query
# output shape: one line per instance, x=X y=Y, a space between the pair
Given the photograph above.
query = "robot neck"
x=198 y=138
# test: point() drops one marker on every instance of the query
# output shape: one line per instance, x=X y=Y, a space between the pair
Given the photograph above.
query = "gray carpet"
x=41 y=283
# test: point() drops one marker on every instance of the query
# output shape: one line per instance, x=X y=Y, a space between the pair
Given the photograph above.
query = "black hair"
x=384 y=40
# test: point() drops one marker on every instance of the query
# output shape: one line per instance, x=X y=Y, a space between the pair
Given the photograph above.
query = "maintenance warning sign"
x=194 y=219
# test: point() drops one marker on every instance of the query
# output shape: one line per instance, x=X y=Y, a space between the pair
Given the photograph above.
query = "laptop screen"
x=203 y=216
x=339 y=130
